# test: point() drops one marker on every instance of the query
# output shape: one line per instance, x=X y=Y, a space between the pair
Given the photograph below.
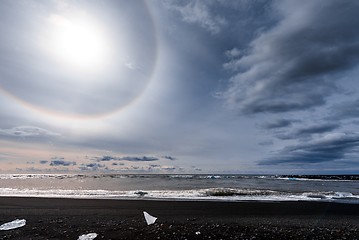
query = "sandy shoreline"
x=49 y=218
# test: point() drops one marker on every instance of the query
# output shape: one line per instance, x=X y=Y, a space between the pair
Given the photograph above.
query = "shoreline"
x=58 y=218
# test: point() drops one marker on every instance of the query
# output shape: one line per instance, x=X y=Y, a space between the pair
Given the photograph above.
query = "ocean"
x=333 y=188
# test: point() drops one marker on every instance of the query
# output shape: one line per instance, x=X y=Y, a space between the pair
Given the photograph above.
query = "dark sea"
x=328 y=188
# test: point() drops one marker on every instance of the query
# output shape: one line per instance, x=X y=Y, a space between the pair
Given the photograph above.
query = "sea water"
x=183 y=187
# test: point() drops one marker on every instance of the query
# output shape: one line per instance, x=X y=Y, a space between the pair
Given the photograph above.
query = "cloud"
x=154 y=165
x=152 y=168
x=306 y=132
x=139 y=159
x=279 y=123
x=322 y=128
x=43 y=161
x=345 y=110
x=199 y=12
x=106 y=158
x=331 y=147
x=132 y=66
x=27 y=131
x=61 y=162
x=196 y=168
x=295 y=64
x=117 y=164
x=170 y=168
x=233 y=53
x=91 y=167
x=266 y=143
x=169 y=157
x=127 y=158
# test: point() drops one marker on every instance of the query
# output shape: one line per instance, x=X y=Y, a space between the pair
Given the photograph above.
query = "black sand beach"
x=123 y=219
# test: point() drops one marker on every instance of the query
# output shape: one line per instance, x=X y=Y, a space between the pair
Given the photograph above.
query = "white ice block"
x=89 y=236
x=149 y=219
x=14 y=224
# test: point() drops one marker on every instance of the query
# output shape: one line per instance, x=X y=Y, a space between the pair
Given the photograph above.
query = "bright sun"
x=80 y=44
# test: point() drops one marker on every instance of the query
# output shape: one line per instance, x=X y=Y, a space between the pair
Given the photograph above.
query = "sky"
x=246 y=86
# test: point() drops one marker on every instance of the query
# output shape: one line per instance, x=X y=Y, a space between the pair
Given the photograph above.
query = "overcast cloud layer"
x=296 y=64
x=266 y=86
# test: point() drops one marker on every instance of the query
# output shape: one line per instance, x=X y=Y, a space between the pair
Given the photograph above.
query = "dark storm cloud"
x=345 y=110
x=329 y=148
x=306 y=132
x=280 y=123
x=294 y=65
x=322 y=128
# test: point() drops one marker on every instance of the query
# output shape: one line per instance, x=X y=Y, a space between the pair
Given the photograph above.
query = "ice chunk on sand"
x=149 y=219
x=14 y=224
x=89 y=236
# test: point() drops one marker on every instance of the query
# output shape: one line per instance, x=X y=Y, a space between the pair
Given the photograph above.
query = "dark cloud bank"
x=307 y=132
x=279 y=123
x=294 y=66
x=331 y=148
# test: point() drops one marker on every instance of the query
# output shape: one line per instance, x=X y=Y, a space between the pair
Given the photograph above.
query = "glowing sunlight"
x=78 y=43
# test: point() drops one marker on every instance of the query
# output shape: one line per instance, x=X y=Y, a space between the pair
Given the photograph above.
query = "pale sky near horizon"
x=265 y=86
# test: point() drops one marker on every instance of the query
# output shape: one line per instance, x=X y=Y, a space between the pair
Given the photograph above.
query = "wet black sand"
x=123 y=219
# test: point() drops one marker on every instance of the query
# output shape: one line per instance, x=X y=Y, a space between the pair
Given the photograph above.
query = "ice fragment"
x=89 y=236
x=149 y=219
x=14 y=224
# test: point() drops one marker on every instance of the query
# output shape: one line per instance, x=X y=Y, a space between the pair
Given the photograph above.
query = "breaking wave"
x=216 y=194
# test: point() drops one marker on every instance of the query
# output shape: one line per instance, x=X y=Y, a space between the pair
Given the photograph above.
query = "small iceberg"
x=89 y=236
x=14 y=224
x=149 y=219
